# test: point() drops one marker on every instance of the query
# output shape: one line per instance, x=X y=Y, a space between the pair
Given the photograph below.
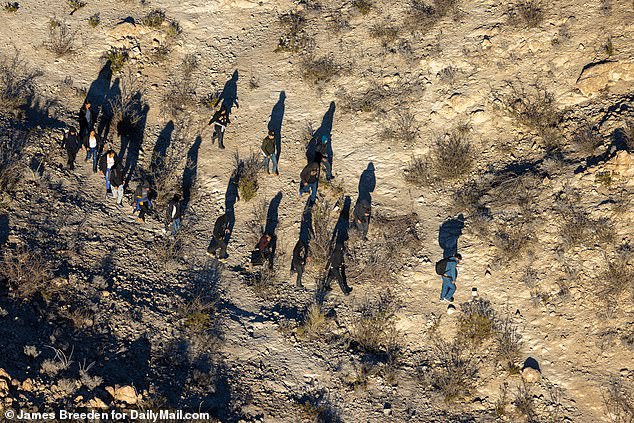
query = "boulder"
x=612 y=75
x=125 y=394
x=530 y=375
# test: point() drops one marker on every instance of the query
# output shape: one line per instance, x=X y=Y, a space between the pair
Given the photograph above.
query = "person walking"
x=72 y=145
x=86 y=121
x=264 y=251
x=220 y=120
x=449 y=278
x=309 y=179
x=323 y=156
x=270 y=155
x=361 y=217
x=300 y=258
x=174 y=213
x=92 y=149
x=218 y=245
x=106 y=162
x=116 y=178
x=336 y=269
x=142 y=200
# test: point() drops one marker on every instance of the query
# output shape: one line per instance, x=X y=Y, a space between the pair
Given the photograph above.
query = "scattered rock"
x=125 y=394
x=614 y=75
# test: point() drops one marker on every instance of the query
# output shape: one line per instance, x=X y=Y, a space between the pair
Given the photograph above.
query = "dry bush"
x=512 y=239
x=363 y=6
x=27 y=273
x=295 y=38
x=318 y=70
x=586 y=138
x=618 y=399
x=182 y=92
x=167 y=250
x=314 y=322
x=373 y=328
x=476 y=322
x=60 y=37
x=323 y=226
x=528 y=13
x=423 y=16
x=509 y=342
x=578 y=228
x=174 y=29
x=403 y=128
x=126 y=108
x=246 y=173
x=454 y=369
x=615 y=280
x=453 y=154
x=524 y=403
x=448 y=74
x=197 y=314
x=606 y=7
x=386 y=32
x=117 y=56
x=419 y=171
x=532 y=106
x=154 y=18
x=11 y=6
x=87 y=380
x=11 y=145
x=75 y=5
x=94 y=20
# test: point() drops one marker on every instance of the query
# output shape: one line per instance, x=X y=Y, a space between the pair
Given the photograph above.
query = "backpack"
x=441 y=266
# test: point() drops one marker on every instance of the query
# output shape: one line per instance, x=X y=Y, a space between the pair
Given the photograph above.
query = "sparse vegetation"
x=454 y=369
x=318 y=70
x=126 y=109
x=403 y=128
x=529 y=13
x=373 y=328
x=27 y=273
x=453 y=154
x=94 y=20
x=476 y=323
x=618 y=399
x=606 y=7
x=75 y=5
x=509 y=342
x=423 y=16
x=182 y=92
x=314 y=322
x=524 y=402
x=295 y=38
x=386 y=32
x=154 y=18
x=363 y=6
x=608 y=47
x=173 y=29
x=586 y=138
x=11 y=6
x=117 y=56
x=246 y=172
x=61 y=39
x=418 y=171
x=16 y=85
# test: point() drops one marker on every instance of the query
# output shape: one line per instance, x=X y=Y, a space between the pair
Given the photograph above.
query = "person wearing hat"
x=268 y=149
x=322 y=150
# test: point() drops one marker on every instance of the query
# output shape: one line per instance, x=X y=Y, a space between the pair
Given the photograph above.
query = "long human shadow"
x=131 y=366
x=99 y=88
x=229 y=95
x=272 y=218
x=306 y=231
x=325 y=129
x=103 y=129
x=160 y=148
x=135 y=143
x=231 y=196
x=367 y=183
x=191 y=171
x=4 y=228
x=340 y=234
x=275 y=124
x=448 y=235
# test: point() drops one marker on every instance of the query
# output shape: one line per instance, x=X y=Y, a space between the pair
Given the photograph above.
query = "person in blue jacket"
x=449 y=278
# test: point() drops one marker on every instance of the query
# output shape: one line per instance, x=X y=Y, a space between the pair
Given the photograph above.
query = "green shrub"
x=12 y=6
x=246 y=172
x=154 y=18
x=117 y=56
x=475 y=324
x=75 y=5
x=453 y=154
x=94 y=20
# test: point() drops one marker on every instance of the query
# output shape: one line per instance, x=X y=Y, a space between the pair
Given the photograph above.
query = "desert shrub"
x=154 y=18
x=117 y=56
x=576 y=227
x=453 y=154
x=524 y=402
x=423 y=16
x=246 y=172
x=11 y=6
x=509 y=342
x=295 y=38
x=174 y=29
x=60 y=37
x=373 y=327
x=529 y=13
x=27 y=273
x=16 y=81
x=323 y=227
x=385 y=32
x=126 y=108
x=75 y=5
x=618 y=398
x=606 y=7
x=454 y=369
x=94 y=20
x=363 y=6
x=448 y=74
x=615 y=280
x=475 y=324
x=60 y=362
x=608 y=47
x=181 y=94
x=197 y=313
x=511 y=240
x=87 y=380
x=418 y=171
x=532 y=106
x=168 y=250
x=313 y=323
x=318 y=70
x=403 y=128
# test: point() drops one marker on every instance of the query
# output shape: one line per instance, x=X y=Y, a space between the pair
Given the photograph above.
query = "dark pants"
x=219 y=133
x=340 y=275
x=71 y=159
x=362 y=227
x=218 y=245
x=297 y=266
x=143 y=206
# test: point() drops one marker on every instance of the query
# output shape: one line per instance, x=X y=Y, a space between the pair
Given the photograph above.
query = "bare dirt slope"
x=539 y=206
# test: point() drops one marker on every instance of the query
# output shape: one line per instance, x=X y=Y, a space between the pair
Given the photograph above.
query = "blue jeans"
x=272 y=158
x=326 y=164
x=310 y=187
x=108 y=179
x=448 y=288
x=176 y=225
x=92 y=152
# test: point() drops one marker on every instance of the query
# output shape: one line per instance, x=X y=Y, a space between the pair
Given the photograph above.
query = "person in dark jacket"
x=264 y=250
x=361 y=217
x=323 y=157
x=116 y=178
x=72 y=145
x=309 y=178
x=220 y=120
x=86 y=120
x=336 y=269
x=300 y=258
x=106 y=161
x=449 y=278
x=268 y=149
x=174 y=213
x=142 y=200
x=219 y=239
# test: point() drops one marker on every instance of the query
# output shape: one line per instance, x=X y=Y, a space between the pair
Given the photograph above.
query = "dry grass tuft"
x=27 y=273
